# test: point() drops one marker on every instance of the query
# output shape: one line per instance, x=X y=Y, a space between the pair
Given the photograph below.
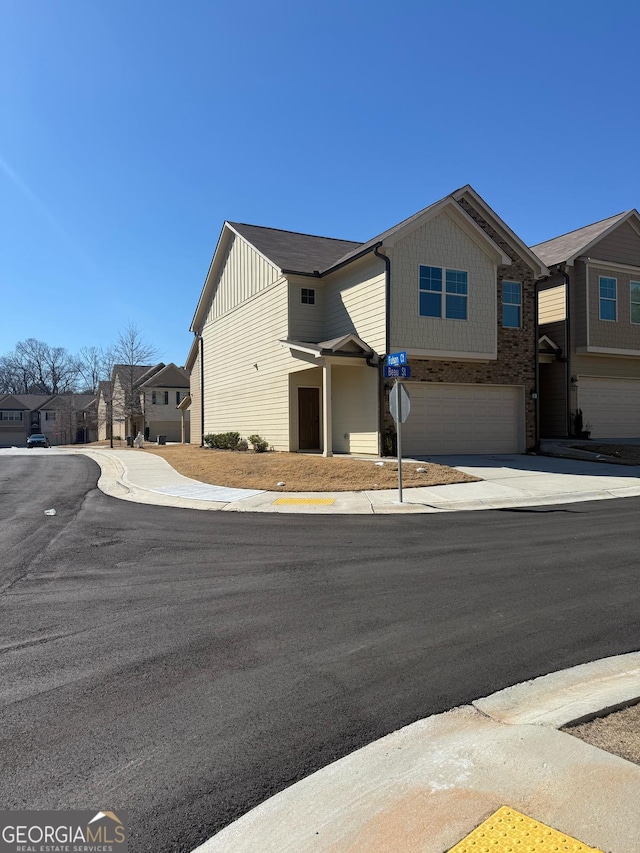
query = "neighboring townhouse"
x=292 y=330
x=143 y=398
x=589 y=317
x=160 y=399
x=63 y=418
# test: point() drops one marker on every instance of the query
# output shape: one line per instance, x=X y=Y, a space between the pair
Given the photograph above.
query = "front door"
x=308 y=418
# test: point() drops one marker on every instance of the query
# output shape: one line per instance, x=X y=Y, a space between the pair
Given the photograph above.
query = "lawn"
x=299 y=472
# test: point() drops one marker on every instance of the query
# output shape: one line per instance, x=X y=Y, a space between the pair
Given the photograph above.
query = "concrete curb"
x=426 y=786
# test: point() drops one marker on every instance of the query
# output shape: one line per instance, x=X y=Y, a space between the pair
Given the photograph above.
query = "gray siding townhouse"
x=589 y=316
x=291 y=331
x=63 y=418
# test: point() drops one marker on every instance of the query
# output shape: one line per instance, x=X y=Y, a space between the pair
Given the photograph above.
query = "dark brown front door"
x=308 y=418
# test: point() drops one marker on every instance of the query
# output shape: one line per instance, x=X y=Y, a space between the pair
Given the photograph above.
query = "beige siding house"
x=589 y=315
x=291 y=333
x=143 y=398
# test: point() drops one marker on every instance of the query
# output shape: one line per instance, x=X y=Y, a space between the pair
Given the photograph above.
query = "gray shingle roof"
x=562 y=248
x=295 y=252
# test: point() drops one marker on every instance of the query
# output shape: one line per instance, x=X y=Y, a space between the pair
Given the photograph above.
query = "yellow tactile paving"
x=508 y=831
x=305 y=501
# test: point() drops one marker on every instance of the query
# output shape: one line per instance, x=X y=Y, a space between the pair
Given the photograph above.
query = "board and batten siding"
x=552 y=305
x=354 y=302
x=243 y=273
x=440 y=242
x=195 y=411
x=246 y=369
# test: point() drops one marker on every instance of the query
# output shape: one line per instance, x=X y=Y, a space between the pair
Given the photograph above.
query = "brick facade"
x=515 y=364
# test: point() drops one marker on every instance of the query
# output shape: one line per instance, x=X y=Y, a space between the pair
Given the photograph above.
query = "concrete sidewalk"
x=507 y=481
x=427 y=786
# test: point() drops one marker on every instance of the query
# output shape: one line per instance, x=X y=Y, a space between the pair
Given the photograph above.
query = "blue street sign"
x=395 y=358
x=401 y=372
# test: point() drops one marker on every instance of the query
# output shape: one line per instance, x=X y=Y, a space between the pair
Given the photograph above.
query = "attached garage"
x=463 y=419
x=610 y=407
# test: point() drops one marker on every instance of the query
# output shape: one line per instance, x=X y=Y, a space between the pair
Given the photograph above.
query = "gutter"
x=338 y=266
x=387 y=345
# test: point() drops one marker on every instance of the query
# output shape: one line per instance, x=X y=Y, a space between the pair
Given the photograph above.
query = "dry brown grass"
x=299 y=472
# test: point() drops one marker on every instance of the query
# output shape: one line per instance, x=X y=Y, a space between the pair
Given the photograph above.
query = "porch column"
x=327 y=436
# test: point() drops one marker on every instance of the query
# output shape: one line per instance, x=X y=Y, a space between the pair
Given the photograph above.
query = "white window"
x=634 y=293
x=455 y=293
x=160 y=398
x=511 y=304
x=49 y=416
x=10 y=416
x=307 y=296
x=608 y=298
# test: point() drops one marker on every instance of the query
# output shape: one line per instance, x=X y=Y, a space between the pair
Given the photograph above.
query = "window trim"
x=443 y=293
x=9 y=416
x=310 y=294
x=607 y=299
x=632 y=303
x=517 y=305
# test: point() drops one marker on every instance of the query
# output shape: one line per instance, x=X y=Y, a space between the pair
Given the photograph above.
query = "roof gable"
x=292 y=251
x=567 y=247
x=468 y=194
x=169 y=376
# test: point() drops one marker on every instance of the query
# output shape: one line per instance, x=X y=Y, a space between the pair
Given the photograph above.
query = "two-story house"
x=143 y=398
x=589 y=316
x=63 y=418
x=292 y=330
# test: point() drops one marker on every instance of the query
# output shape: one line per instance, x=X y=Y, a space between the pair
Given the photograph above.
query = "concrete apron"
x=427 y=786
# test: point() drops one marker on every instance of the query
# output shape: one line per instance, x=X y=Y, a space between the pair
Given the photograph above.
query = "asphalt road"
x=182 y=666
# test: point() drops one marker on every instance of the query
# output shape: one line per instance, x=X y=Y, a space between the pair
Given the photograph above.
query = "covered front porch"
x=334 y=397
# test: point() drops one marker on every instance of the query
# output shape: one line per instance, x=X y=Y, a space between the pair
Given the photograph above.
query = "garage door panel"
x=610 y=407
x=463 y=419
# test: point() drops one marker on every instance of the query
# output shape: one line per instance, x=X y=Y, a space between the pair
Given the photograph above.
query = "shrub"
x=243 y=444
x=259 y=444
x=222 y=440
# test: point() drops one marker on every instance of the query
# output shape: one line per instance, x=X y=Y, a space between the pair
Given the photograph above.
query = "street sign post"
x=400 y=406
x=403 y=371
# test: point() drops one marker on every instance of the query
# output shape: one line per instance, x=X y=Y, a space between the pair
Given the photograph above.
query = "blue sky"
x=129 y=131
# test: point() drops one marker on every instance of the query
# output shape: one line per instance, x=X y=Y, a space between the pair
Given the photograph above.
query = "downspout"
x=567 y=285
x=536 y=327
x=387 y=338
x=201 y=390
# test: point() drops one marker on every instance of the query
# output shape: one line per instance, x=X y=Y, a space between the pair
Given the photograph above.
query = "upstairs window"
x=49 y=416
x=511 y=304
x=160 y=398
x=307 y=296
x=455 y=293
x=10 y=416
x=608 y=298
x=634 y=293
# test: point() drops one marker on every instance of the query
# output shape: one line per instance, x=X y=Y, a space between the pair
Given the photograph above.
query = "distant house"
x=589 y=323
x=63 y=418
x=292 y=331
x=143 y=398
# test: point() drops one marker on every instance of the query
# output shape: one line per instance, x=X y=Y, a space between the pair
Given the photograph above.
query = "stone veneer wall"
x=515 y=364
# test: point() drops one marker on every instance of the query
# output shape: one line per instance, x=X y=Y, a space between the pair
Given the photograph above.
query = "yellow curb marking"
x=508 y=831
x=306 y=501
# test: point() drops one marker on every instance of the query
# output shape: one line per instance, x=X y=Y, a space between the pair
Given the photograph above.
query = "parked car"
x=37 y=440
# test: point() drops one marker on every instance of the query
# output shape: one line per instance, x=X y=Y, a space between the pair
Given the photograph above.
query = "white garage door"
x=463 y=419
x=610 y=407
x=13 y=439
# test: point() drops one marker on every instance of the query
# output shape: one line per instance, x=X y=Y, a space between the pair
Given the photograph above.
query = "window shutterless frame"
x=511 y=304
x=608 y=298
x=443 y=292
x=634 y=299
x=307 y=295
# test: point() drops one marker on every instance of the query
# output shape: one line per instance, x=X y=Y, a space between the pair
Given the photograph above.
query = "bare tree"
x=94 y=365
x=34 y=367
x=131 y=354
